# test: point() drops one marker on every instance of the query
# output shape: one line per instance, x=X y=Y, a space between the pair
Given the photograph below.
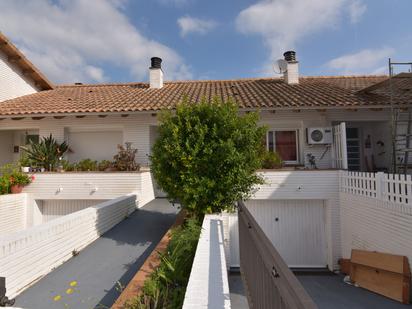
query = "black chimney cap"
x=290 y=56
x=156 y=63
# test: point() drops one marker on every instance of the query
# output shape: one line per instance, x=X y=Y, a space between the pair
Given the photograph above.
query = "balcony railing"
x=269 y=283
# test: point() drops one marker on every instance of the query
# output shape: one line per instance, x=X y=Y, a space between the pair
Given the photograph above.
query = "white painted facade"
x=208 y=285
x=12 y=213
x=297 y=229
x=91 y=186
x=314 y=194
x=28 y=255
x=13 y=83
x=376 y=213
x=140 y=130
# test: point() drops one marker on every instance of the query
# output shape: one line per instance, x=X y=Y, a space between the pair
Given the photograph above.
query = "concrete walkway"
x=95 y=277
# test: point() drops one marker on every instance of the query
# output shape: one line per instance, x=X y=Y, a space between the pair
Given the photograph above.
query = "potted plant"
x=18 y=181
x=46 y=154
x=25 y=162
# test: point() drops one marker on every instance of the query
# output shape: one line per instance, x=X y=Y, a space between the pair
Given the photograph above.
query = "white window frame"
x=274 y=143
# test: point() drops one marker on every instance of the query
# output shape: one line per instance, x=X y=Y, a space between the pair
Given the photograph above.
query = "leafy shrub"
x=67 y=166
x=104 y=165
x=166 y=286
x=12 y=175
x=4 y=185
x=271 y=160
x=86 y=165
x=46 y=153
x=207 y=154
x=124 y=160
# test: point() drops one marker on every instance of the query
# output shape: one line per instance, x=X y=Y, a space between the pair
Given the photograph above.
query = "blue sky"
x=113 y=40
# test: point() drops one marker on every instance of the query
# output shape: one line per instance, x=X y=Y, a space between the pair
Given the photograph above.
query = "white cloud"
x=284 y=23
x=366 y=61
x=356 y=10
x=189 y=25
x=95 y=73
x=71 y=40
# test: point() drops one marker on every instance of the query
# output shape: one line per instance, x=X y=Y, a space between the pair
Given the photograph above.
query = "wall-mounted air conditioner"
x=319 y=135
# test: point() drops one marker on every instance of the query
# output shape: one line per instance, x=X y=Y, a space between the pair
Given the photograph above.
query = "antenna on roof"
x=280 y=66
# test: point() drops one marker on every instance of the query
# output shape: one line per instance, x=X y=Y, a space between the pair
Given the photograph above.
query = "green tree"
x=207 y=154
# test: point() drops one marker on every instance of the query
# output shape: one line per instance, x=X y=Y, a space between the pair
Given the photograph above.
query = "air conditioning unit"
x=319 y=136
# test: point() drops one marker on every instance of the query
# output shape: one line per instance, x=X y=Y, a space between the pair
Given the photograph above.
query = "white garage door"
x=101 y=145
x=295 y=227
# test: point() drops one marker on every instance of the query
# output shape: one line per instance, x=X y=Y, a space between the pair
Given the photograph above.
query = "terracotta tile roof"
x=263 y=93
x=16 y=56
x=400 y=86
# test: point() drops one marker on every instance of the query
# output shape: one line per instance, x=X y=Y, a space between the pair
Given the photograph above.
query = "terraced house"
x=323 y=127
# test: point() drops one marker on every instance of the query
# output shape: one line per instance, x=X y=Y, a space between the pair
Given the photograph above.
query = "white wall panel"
x=52 y=209
x=296 y=228
x=13 y=83
x=96 y=145
x=12 y=213
x=375 y=225
x=28 y=255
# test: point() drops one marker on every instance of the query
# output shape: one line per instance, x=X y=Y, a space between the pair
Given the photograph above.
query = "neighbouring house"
x=299 y=112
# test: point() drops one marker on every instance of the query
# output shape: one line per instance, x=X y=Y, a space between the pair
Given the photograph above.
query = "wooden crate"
x=383 y=273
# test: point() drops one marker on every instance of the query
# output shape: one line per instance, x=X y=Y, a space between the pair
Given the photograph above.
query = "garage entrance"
x=296 y=229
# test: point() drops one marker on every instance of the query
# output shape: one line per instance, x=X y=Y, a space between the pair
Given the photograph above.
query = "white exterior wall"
x=136 y=128
x=374 y=225
x=53 y=209
x=91 y=186
x=208 y=285
x=303 y=186
x=13 y=83
x=12 y=213
x=28 y=255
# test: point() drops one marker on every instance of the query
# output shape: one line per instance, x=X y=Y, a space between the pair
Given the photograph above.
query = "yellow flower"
x=57 y=298
x=69 y=291
x=73 y=283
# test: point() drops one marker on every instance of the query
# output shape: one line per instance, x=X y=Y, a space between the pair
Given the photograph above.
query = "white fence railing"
x=28 y=255
x=395 y=188
x=208 y=285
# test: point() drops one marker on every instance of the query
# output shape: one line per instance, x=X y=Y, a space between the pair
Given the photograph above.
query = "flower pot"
x=25 y=169
x=15 y=189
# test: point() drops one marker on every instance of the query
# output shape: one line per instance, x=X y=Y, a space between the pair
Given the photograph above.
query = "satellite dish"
x=280 y=66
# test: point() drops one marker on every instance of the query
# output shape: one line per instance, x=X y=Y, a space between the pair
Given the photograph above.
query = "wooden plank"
x=383 y=261
x=382 y=273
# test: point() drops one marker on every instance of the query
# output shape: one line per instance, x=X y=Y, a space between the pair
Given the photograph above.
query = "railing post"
x=380 y=176
x=4 y=300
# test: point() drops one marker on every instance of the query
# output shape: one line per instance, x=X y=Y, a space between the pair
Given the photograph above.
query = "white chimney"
x=291 y=75
x=156 y=73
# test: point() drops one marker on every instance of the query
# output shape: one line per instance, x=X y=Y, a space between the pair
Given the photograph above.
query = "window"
x=284 y=142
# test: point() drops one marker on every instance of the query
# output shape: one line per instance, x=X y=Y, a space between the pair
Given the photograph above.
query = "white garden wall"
x=12 y=213
x=376 y=213
x=93 y=186
x=208 y=285
x=28 y=255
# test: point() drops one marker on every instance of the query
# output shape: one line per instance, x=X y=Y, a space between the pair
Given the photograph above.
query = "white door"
x=339 y=150
x=296 y=229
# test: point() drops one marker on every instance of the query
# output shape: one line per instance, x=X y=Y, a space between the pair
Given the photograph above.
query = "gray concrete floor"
x=329 y=291
x=238 y=299
x=105 y=266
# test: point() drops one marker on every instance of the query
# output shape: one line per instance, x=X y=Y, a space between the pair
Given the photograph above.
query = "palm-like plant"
x=46 y=153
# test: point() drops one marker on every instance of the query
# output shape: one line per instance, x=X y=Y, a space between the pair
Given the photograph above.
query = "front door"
x=353 y=146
